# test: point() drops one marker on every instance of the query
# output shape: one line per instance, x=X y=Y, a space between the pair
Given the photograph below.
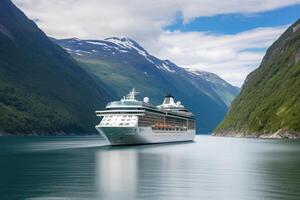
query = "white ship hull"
x=143 y=135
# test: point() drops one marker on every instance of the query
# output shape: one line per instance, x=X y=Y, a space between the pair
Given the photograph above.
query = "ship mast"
x=132 y=94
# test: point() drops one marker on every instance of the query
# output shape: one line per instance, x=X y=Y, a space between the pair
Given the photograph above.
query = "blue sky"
x=228 y=38
x=235 y=23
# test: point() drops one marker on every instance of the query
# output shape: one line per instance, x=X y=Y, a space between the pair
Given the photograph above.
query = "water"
x=35 y=168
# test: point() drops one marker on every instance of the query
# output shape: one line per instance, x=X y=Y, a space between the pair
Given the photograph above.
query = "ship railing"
x=116 y=112
x=124 y=103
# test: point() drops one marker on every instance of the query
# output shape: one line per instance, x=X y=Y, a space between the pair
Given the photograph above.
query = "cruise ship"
x=130 y=121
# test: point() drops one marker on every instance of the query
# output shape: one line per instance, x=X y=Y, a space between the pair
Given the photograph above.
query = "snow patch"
x=208 y=76
x=97 y=43
x=70 y=50
x=167 y=68
x=83 y=51
x=195 y=71
x=126 y=43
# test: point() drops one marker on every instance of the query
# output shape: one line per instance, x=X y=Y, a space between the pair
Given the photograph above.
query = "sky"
x=228 y=38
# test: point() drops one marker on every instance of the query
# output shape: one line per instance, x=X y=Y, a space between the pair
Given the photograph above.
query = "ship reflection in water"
x=209 y=168
x=116 y=172
x=222 y=168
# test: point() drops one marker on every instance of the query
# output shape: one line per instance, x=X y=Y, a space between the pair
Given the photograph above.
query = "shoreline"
x=280 y=134
x=44 y=134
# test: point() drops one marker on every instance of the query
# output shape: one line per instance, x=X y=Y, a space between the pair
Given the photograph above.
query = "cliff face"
x=269 y=102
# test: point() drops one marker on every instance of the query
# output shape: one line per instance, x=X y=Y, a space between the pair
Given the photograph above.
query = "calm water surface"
x=35 y=168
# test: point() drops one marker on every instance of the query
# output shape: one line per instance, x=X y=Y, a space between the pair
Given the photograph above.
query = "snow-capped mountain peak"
x=127 y=43
x=203 y=74
x=208 y=76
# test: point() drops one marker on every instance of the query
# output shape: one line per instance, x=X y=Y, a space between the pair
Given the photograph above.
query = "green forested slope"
x=269 y=101
x=42 y=89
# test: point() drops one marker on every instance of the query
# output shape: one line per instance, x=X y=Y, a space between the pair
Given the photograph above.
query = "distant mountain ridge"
x=223 y=89
x=122 y=63
x=42 y=88
x=269 y=103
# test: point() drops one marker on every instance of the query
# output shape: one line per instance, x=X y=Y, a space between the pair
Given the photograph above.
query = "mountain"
x=269 y=103
x=122 y=64
x=223 y=89
x=42 y=88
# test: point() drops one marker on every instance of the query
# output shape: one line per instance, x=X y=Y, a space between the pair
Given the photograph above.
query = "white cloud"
x=230 y=56
x=144 y=21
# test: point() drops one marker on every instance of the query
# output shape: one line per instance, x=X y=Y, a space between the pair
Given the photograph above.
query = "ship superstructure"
x=130 y=121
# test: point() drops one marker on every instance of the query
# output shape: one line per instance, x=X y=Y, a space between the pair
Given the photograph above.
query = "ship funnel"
x=169 y=100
